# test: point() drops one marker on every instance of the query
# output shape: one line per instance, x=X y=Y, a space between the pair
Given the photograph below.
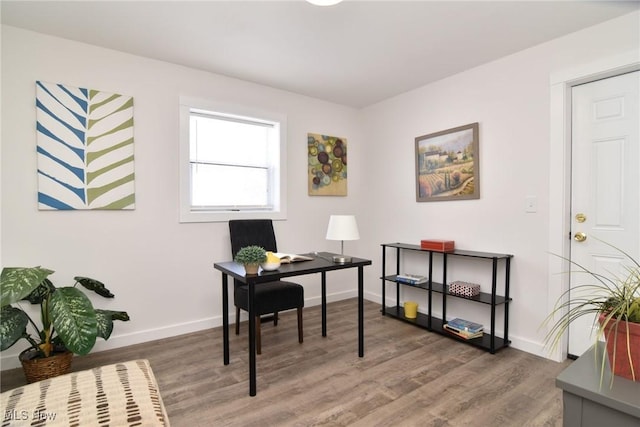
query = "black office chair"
x=271 y=297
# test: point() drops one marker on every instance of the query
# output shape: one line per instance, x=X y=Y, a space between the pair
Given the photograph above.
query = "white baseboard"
x=518 y=343
x=9 y=359
x=531 y=347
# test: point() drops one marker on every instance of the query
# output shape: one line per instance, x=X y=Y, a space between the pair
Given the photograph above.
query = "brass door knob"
x=580 y=236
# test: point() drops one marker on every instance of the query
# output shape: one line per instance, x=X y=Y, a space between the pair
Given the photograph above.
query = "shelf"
x=483 y=297
x=398 y=313
x=497 y=262
x=457 y=252
x=422 y=320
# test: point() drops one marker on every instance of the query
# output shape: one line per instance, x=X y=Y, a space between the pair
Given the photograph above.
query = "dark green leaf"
x=18 y=282
x=40 y=293
x=118 y=315
x=105 y=321
x=105 y=324
x=94 y=285
x=13 y=325
x=74 y=319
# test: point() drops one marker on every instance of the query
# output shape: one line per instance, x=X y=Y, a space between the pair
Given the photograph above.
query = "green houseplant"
x=69 y=322
x=251 y=257
x=614 y=301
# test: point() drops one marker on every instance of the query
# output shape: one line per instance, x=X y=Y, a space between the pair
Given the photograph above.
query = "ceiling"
x=356 y=53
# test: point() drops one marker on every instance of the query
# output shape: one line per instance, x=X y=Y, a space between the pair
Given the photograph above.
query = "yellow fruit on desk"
x=272 y=258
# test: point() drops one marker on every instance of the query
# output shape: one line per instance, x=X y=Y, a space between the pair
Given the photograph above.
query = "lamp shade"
x=324 y=2
x=342 y=227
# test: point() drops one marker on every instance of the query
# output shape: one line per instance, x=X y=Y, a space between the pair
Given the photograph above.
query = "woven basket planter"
x=42 y=368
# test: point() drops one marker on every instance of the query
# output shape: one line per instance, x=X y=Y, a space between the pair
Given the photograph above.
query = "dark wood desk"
x=320 y=264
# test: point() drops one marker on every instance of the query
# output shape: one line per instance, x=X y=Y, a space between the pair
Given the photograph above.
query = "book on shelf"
x=289 y=258
x=463 y=334
x=412 y=279
x=463 y=325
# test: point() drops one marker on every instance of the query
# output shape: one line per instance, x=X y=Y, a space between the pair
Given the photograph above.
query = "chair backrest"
x=247 y=232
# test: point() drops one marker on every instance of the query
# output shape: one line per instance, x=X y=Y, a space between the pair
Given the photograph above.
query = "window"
x=231 y=163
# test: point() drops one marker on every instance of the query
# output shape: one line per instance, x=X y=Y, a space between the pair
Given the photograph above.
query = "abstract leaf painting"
x=85 y=148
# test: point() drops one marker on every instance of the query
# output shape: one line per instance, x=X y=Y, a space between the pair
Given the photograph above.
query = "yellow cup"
x=410 y=309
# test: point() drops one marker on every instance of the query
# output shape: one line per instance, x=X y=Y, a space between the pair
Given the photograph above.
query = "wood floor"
x=408 y=377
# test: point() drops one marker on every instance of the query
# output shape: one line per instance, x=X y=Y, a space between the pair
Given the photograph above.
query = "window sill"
x=209 y=216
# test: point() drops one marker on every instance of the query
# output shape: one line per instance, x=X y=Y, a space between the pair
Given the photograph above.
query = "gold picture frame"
x=447 y=165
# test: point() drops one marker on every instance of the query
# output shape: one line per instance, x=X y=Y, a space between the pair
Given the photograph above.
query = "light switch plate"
x=531 y=204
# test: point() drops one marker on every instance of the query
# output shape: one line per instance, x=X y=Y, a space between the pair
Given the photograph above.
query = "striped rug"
x=122 y=394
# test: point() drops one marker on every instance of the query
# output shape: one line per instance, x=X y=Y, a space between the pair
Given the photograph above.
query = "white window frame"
x=187 y=214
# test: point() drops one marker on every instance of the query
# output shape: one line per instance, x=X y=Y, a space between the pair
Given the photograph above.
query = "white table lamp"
x=342 y=227
x=324 y=2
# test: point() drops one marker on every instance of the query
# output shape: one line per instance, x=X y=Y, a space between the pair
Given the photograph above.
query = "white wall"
x=510 y=99
x=161 y=271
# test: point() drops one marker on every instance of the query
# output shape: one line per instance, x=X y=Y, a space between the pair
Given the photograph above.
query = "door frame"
x=559 y=242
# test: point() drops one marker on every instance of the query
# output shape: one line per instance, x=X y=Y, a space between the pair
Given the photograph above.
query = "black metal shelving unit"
x=489 y=341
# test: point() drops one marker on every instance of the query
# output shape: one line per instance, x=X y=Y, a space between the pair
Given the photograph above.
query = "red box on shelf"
x=438 y=245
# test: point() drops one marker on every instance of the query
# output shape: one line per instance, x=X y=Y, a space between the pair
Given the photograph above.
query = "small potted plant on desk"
x=69 y=323
x=251 y=257
x=615 y=303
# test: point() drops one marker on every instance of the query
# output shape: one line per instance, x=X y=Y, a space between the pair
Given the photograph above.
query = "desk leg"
x=252 y=340
x=360 y=311
x=225 y=318
x=324 y=303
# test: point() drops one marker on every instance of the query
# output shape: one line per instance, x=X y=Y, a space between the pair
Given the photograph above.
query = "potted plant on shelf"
x=615 y=304
x=69 y=322
x=251 y=257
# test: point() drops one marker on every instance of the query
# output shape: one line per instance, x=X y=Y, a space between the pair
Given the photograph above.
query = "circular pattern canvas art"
x=327 y=165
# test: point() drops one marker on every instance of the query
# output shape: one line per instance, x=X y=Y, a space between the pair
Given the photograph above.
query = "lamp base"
x=341 y=259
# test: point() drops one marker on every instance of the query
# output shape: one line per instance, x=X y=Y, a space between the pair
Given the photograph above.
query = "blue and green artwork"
x=85 y=148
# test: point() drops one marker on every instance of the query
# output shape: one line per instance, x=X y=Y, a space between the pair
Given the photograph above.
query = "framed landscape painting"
x=447 y=165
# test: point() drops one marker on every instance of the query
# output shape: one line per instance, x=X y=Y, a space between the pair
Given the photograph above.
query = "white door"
x=605 y=183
